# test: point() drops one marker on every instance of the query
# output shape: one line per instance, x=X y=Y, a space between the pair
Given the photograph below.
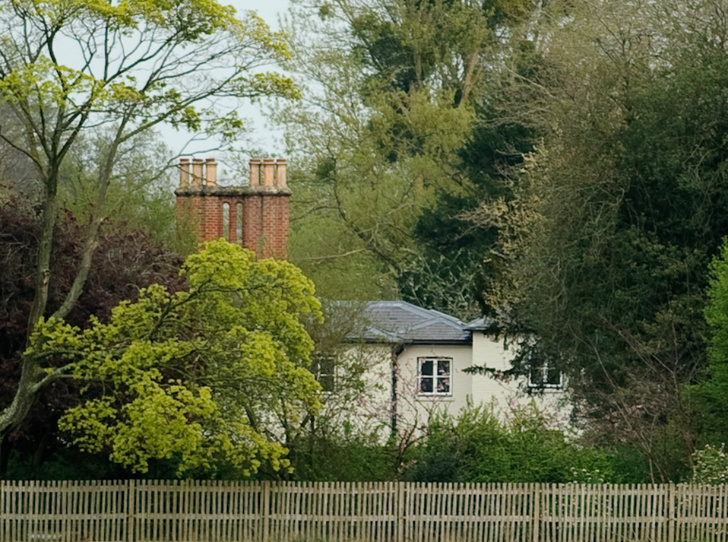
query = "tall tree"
x=621 y=208
x=389 y=108
x=69 y=66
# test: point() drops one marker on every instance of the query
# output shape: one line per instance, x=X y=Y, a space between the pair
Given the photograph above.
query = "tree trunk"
x=43 y=271
x=12 y=416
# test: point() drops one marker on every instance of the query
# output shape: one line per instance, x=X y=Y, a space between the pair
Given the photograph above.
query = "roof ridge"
x=411 y=307
x=398 y=320
x=448 y=316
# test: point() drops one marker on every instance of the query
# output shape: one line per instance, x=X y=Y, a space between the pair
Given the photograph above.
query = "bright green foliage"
x=716 y=313
x=216 y=375
x=710 y=395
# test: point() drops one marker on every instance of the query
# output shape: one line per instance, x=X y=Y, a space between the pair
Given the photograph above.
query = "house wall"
x=507 y=393
x=415 y=408
x=496 y=355
x=369 y=408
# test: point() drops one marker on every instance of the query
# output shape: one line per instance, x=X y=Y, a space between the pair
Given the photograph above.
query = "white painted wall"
x=370 y=408
x=414 y=408
x=507 y=393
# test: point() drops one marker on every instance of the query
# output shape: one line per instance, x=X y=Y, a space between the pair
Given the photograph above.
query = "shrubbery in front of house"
x=478 y=446
x=710 y=465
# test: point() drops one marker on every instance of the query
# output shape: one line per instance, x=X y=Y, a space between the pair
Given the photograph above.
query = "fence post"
x=536 y=511
x=129 y=507
x=672 y=512
x=265 y=497
x=400 y=536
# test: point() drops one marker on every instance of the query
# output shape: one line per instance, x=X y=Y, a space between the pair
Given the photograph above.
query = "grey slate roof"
x=402 y=322
x=482 y=324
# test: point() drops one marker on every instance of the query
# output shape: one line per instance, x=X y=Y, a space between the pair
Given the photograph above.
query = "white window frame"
x=544 y=370
x=436 y=377
x=318 y=373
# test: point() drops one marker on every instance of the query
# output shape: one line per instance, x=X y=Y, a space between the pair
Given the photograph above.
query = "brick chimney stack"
x=254 y=216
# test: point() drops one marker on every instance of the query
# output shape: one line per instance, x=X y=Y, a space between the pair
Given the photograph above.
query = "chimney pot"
x=268 y=165
x=281 y=172
x=184 y=172
x=211 y=172
x=254 y=172
x=197 y=171
x=256 y=218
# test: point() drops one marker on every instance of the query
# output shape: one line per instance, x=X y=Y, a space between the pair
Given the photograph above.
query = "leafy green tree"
x=214 y=375
x=388 y=111
x=709 y=395
x=455 y=245
x=620 y=210
x=128 y=67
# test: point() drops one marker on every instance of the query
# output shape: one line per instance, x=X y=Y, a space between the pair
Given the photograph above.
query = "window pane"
x=536 y=376
x=553 y=376
x=544 y=375
x=435 y=376
x=426 y=385
x=326 y=365
x=239 y=223
x=324 y=369
x=327 y=382
x=443 y=385
x=226 y=221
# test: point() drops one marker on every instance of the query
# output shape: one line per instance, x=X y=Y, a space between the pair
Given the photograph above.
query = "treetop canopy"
x=68 y=64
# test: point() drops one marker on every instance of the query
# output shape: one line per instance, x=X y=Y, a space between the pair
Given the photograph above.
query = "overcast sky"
x=261 y=136
x=269 y=9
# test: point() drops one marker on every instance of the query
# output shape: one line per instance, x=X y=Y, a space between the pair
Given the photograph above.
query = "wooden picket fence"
x=150 y=511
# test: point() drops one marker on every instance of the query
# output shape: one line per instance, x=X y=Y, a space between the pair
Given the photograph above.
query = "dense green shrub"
x=478 y=446
x=340 y=454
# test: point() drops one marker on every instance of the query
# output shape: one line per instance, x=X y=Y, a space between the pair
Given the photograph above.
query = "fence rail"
x=151 y=511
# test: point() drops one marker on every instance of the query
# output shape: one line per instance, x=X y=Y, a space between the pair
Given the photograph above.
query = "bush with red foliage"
x=125 y=261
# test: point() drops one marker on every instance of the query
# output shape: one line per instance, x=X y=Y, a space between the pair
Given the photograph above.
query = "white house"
x=404 y=362
x=413 y=360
